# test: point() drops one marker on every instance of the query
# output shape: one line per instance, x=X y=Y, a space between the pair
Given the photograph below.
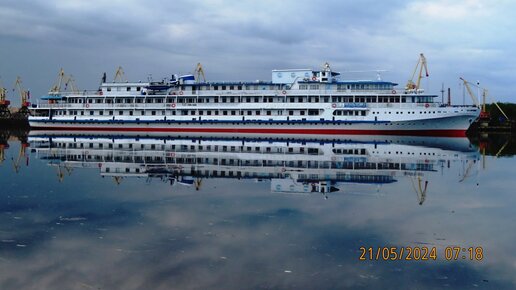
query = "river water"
x=364 y=212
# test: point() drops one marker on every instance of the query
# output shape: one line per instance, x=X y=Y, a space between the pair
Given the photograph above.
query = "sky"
x=245 y=40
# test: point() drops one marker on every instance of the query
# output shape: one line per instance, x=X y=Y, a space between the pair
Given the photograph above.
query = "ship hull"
x=449 y=127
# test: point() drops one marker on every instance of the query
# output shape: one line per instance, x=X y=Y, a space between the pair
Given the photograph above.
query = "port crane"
x=21 y=155
x=421 y=64
x=117 y=179
x=483 y=114
x=199 y=73
x=4 y=103
x=3 y=145
x=420 y=189
x=61 y=172
x=23 y=111
x=2 y=153
x=119 y=75
x=67 y=81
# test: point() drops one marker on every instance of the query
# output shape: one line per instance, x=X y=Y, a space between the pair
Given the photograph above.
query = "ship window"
x=256 y=99
x=268 y=113
x=183 y=112
x=91 y=113
x=120 y=112
x=291 y=112
x=82 y=113
x=216 y=88
x=209 y=112
x=108 y=89
x=201 y=113
x=223 y=88
x=300 y=99
x=249 y=113
x=225 y=113
x=257 y=113
x=138 y=89
x=128 y=89
x=223 y=99
x=100 y=113
x=239 y=87
x=363 y=113
x=231 y=87
x=302 y=112
x=291 y=99
x=303 y=87
x=153 y=113
x=110 y=112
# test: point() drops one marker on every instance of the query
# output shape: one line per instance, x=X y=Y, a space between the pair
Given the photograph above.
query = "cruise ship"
x=355 y=165
x=295 y=102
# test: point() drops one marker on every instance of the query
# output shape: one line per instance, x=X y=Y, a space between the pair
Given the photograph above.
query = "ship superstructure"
x=295 y=101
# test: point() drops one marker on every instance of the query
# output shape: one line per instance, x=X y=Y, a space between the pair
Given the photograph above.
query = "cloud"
x=245 y=40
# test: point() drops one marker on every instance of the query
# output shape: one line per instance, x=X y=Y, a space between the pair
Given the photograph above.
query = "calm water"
x=97 y=212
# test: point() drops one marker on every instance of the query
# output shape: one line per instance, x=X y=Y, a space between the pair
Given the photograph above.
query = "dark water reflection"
x=105 y=212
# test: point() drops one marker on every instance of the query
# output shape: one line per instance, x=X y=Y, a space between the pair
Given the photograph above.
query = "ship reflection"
x=354 y=165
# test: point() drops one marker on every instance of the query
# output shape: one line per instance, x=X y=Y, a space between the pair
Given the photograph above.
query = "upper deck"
x=291 y=82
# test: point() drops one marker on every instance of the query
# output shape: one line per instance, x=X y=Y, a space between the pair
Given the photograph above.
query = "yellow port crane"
x=67 y=81
x=61 y=172
x=23 y=111
x=420 y=189
x=119 y=75
x=4 y=103
x=199 y=73
x=483 y=113
x=22 y=155
x=117 y=179
x=421 y=64
x=2 y=153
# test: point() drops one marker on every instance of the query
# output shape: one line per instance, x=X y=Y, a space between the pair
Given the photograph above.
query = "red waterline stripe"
x=437 y=133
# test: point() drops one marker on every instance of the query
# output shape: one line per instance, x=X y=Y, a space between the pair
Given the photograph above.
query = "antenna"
x=442 y=93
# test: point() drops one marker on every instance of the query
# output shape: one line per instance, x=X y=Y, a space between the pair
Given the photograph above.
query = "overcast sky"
x=244 y=40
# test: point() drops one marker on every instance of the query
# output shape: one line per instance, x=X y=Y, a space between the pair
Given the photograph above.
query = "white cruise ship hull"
x=453 y=126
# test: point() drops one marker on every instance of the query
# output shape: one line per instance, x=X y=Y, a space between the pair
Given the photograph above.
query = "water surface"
x=126 y=212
